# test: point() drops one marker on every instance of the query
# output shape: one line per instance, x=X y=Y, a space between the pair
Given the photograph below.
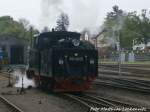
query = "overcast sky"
x=82 y=13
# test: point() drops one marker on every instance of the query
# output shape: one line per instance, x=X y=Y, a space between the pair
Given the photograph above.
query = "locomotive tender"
x=60 y=61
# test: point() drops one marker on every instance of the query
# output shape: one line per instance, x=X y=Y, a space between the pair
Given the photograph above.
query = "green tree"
x=135 y=27
x=62 y=22
x=114 y=23
x=19 y=29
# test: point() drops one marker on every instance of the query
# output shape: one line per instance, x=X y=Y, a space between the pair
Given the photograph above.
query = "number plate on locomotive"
x=76 y=59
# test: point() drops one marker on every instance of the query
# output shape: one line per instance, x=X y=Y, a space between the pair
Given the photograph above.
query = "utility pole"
x=119 y=52
x=118 y=20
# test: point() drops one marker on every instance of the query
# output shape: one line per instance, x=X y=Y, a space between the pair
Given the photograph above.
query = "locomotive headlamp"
x=91 y=61
x=61 y=62
x=76 y=42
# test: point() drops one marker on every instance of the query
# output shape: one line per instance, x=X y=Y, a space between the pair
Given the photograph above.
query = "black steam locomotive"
x=60 y=61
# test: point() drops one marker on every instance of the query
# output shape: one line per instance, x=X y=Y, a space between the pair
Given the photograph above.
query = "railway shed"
x=13 y=50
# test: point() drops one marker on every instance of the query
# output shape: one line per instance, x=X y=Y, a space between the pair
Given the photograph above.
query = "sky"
x=82 y=14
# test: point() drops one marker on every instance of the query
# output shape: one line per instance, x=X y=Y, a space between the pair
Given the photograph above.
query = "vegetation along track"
x=7 y=106
x=100 y=104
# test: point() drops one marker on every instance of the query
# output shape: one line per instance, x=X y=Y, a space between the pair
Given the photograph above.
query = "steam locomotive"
x=60 y=61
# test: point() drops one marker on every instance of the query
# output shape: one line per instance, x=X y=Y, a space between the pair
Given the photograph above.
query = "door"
x=17 y=55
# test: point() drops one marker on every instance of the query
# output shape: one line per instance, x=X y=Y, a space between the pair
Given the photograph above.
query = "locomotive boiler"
x=60 y=61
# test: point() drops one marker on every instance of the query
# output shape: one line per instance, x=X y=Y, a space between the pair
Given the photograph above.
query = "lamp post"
x=9 y=78
x=22 y=87
x=31 y=36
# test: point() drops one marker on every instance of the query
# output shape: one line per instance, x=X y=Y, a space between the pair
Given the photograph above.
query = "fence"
x=127 y=56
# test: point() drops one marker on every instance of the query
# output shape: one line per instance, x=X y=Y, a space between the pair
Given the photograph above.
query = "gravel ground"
x=35 y=100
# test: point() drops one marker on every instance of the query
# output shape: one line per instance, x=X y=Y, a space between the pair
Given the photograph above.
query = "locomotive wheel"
x=30 y=74
x=46 y=84
x=50 y=85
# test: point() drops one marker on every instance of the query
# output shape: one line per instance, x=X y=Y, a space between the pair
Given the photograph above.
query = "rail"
x=13 y=107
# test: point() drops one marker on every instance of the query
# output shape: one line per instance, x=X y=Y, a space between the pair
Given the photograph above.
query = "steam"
x=82 y=14
x=26 y=82
x=117 y=28
x=119 y=23
x=50 y=9
x=114 y=38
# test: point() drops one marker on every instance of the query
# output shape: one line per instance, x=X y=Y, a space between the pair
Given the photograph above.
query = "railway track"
x=96 y=103
x=127 y=81
x=7 y=106
x=126 y=70
x=133 y=83
x=89 y=102
x=5 y=74
x=124 y=73
x=138 y=82
x=114 y=103
x=3 y=77
x=122 y=86
x=125 y=65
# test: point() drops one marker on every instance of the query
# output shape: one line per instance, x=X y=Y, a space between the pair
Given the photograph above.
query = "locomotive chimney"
x=53 y=29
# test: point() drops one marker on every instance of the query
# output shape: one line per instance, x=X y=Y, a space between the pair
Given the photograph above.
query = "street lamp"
x=9 y=70
x=22 y=87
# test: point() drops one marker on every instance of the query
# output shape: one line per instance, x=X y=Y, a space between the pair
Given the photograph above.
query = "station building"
x=13 y=50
